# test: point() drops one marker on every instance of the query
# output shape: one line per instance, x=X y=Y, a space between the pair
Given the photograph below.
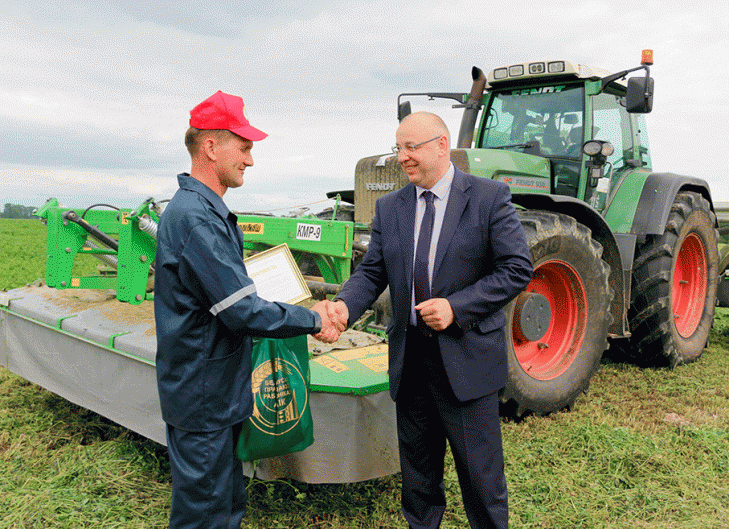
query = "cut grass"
x=645 y=448
x=22 y=252
x=637 y=452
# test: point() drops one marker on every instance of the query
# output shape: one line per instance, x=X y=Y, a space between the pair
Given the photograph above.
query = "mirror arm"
x=647 y=77
x=621 y=75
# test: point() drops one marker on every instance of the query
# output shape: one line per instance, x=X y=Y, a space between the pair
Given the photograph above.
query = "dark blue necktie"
x=422 y=251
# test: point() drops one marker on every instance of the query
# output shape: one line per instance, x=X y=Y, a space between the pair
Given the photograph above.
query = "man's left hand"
x=437 y=313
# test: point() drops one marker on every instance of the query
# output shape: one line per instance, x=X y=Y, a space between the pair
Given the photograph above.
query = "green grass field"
x=645 y=448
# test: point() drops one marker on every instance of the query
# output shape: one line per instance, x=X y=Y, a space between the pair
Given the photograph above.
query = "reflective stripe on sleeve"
x=232 y=299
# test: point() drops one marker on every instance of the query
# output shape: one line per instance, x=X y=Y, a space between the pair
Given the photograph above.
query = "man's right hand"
x=331 y=322
x=338 y=313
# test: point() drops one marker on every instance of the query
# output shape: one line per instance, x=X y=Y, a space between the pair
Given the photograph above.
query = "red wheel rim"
x=689 y=285
x=553 y=353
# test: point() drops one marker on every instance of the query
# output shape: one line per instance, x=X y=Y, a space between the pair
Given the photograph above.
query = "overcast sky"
x=95 y=96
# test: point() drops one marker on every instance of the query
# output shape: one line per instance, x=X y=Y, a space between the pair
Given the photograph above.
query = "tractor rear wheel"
x=559 y=324
x=674 y=286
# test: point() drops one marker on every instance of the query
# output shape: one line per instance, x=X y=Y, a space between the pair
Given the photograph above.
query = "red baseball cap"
x=223 y=111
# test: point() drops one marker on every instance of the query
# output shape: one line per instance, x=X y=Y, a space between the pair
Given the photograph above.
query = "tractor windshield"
x=545 y=121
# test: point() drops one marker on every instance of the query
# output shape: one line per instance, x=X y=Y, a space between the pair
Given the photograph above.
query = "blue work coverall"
x=206 y=311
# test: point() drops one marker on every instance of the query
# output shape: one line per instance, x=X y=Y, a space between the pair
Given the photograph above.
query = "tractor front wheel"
x=559 y=324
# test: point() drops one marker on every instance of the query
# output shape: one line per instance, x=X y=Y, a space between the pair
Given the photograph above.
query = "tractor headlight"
x=591 y=148
x=594 y=147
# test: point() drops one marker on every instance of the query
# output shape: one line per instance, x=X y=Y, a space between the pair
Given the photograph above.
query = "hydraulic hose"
x=92 y=230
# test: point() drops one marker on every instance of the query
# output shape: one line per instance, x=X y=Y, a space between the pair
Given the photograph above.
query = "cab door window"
x=611 y=122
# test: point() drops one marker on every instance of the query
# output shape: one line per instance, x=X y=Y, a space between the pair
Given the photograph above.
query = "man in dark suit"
x=452 y=250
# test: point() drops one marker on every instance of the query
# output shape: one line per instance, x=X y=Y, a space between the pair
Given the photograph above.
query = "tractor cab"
x=552 y=109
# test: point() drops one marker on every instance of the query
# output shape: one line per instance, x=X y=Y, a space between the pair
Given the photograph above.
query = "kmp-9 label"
x=308 y=232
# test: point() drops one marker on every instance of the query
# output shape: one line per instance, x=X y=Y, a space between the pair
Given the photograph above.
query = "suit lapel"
x=457 y=201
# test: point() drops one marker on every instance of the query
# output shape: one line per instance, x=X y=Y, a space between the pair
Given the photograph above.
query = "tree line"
x=16 y=211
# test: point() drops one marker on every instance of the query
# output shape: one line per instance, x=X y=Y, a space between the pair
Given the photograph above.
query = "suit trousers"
x=208 y=488
x=428 y=415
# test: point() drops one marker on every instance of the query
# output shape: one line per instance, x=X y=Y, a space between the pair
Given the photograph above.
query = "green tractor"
x=623 y=255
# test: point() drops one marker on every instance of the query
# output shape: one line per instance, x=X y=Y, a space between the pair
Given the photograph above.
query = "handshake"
x=334 y=319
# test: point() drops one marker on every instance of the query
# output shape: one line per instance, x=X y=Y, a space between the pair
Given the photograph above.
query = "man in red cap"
x=206 y=311
x=223 y=114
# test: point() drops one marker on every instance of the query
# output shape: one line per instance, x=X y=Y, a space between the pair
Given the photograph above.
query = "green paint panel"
x=66 y=240
x=523 y=173
x=622 y=208
x=328 y=240
x=358 y=371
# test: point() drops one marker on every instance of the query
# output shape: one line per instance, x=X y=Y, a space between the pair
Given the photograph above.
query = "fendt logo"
x=379 y=186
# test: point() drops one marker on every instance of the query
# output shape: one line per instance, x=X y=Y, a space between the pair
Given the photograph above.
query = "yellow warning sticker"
x=378 y=364
x=331 y=363
x=359 y=352
x=252 y=227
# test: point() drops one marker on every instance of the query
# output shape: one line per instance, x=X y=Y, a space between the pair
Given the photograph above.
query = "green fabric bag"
x=281 y=422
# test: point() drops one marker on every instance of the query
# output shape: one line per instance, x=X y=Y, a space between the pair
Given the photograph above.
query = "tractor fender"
x=656 y=199
x=590 y=217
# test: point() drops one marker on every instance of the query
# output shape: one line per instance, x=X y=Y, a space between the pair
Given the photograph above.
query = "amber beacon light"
x=647 y=57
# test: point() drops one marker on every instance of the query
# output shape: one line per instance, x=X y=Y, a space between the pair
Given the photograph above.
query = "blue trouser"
x=208 y=490
x=428 y=415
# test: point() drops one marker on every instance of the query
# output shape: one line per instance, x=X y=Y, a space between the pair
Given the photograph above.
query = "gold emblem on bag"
x=276 y=408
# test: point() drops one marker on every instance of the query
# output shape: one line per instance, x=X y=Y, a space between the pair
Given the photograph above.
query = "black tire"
x=547 y=374
x=675 y=278
x=722 y=292
x=345 y=212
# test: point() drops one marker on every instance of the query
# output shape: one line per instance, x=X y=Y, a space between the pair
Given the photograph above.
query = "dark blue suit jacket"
x=482 y=262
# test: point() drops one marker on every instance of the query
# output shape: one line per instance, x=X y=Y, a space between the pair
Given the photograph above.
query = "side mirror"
x=639 y=98
x=403 y=110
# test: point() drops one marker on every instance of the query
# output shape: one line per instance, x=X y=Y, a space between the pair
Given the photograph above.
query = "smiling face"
x=423 y=161
x=233 y=156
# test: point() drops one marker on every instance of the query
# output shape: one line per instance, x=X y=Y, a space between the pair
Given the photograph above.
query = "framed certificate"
x=276 y=276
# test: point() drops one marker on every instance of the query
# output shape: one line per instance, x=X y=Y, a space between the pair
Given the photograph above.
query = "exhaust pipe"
x=473 y=106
